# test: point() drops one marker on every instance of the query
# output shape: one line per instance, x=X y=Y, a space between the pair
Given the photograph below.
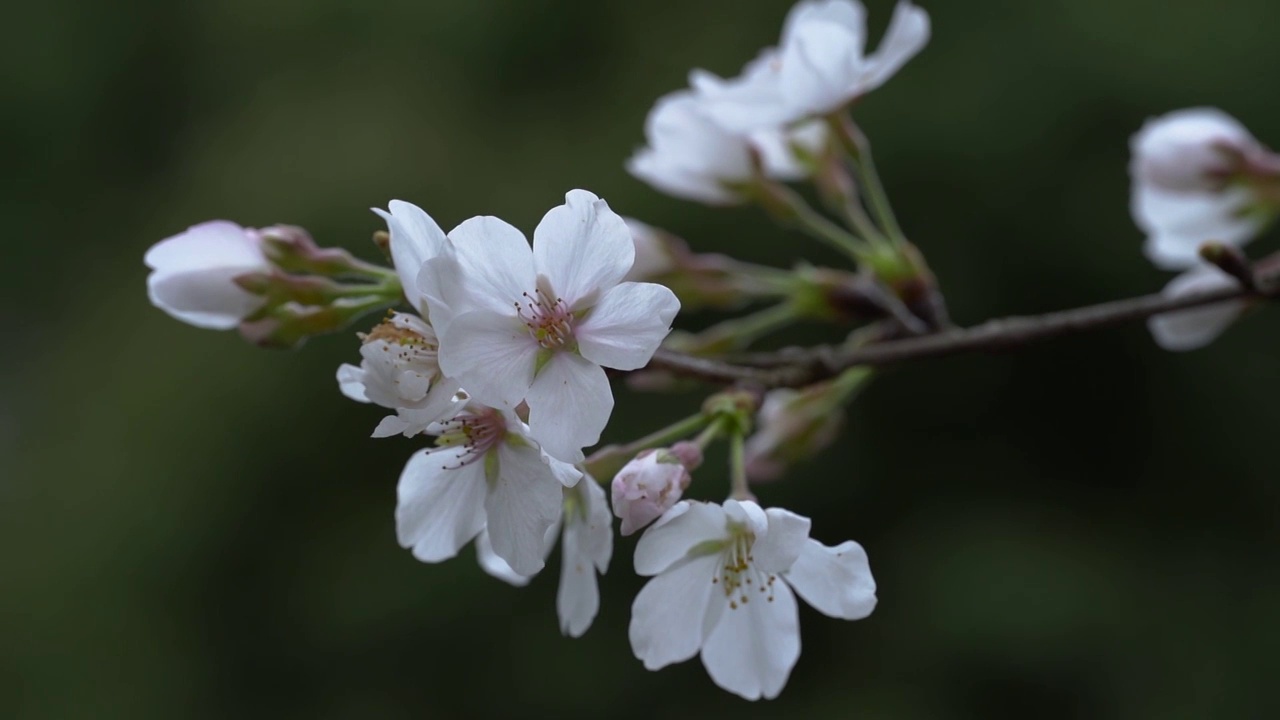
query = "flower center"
x=477 y=432
x=547 y=317
x=738 y=576
x=407 y=343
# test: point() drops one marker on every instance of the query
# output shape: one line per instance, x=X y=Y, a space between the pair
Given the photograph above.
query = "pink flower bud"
x=648 y=486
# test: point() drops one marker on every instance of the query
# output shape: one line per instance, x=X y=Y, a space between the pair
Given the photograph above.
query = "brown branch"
x=797 y=367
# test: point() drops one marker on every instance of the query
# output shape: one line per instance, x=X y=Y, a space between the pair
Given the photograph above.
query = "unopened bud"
x=793 y=425
x=1198 y=149
x=649 y=485
x=192 y=274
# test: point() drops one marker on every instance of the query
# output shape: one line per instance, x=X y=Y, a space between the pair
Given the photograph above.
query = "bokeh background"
x=191 y=527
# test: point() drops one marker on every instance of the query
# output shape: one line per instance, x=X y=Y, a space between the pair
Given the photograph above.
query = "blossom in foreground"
x=651 y=483
x=586 y=547
x=1197 y=176
x=193 y=274
x=722 y=586
x=539 y=325
x=399 y=371
x=691 y=156
x=819 y=67
x=415 y=239
x=485 y=472
x=1196 y=327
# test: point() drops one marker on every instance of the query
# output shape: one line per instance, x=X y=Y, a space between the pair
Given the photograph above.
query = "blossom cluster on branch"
x=502 y=349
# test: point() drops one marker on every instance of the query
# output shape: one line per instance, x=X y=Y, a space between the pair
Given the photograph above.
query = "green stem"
x=710 y=433
x=607 y=461
x=859 y=149
x=788 y=207
x=737 y=333
x=840 y=194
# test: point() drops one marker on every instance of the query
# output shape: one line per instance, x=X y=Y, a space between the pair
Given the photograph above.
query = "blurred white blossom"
x=193 y=274
x=820 y=66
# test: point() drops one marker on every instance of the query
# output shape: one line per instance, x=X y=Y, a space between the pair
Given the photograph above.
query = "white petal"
x=204 y=298
x=848 y=14
x=1178 y=223
x=496 y=566
x=751 y=650
x=656 y=169
x=496 y=262
x=415 y=239
x=442 y=278
x=440 y=506
x=582 y=247
x=836 y=581
x=781 y=545
x=1196 y=327
x=351 y=382
x=213 y=244
x=907 y=35
x=588 y=545
x=667 y=616
x=569 y=404
x=678 y=531
x=523 y=501
x=817 y=68
x=491 y=355
x=625 y=328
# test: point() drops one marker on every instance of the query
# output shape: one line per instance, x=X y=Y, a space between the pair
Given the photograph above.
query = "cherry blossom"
x=819 y=67
x=485 y=471
x=399 y=371
x=722 y=586
x=539 y=325
x=193 y=274
x=1195 y=179
x=690 y=156
x=586 y=532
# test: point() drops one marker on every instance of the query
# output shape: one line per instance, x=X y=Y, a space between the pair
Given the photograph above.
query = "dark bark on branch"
x=796 y=367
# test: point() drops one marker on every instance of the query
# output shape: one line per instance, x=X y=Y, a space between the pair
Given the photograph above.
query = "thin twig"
x=799 y=367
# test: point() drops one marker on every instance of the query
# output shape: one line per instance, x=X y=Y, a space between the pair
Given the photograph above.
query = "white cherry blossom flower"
x=485 y=471
x=586 y=548
x=819 y=67
x=692 y=157
x=1195 y=175
x=722 y=586
x=193 y=274
x=399 y=371
x=1196 y=327
x=539 y=325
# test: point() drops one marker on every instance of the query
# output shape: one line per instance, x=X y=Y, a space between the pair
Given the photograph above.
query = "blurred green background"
x=190 y=527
